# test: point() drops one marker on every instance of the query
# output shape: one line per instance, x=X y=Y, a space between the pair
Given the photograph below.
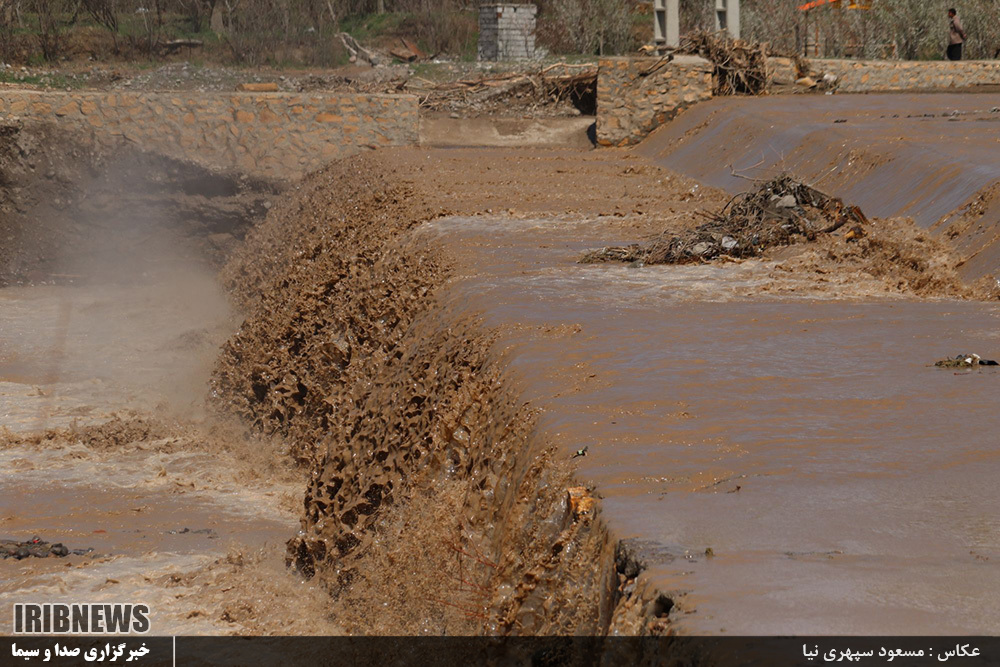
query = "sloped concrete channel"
x=784 y=466
x=924 y=156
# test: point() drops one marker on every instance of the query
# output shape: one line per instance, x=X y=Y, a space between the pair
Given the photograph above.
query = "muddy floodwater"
x=73 y=355
x=795 y=465
x=401 y=359
x=78 y=352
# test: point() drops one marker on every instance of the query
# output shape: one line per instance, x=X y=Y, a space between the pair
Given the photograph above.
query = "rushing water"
x=842 y=483
x=77 y=352
x=74 y=355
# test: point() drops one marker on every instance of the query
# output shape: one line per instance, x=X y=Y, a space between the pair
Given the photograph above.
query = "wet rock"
x=788 y=201
x=633 y=555
x=37 y=548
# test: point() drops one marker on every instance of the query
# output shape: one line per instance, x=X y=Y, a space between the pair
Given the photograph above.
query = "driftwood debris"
x=549 y=84
x=778 y=212
x=740 y=66
x=358 y=52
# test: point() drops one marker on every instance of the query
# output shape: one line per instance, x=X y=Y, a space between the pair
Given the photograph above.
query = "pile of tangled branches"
x=778 y=212
x=550 y=85
x=740 y=67
x=552 y=88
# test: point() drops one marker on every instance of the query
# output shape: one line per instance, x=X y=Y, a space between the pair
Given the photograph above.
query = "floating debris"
x=740 y=66
x=965 y=361
x=188 y=531
x=778 y=212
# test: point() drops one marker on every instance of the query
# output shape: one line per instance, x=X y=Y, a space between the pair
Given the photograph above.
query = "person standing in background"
x=956 y=35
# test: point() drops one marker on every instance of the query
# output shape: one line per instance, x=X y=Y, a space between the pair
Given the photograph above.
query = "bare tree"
x=48 y=33
x=595 y=26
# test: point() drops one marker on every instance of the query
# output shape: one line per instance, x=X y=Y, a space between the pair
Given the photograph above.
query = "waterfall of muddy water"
x=932 y=157
x=841 y=483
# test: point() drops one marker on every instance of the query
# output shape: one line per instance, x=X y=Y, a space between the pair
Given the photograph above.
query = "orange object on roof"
x=853 y=4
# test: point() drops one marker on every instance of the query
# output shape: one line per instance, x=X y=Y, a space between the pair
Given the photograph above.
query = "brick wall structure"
x=507 y=31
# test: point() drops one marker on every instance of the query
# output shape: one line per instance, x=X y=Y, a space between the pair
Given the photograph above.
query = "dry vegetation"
x=305 y=32
x=290 y=32
x=905 y=29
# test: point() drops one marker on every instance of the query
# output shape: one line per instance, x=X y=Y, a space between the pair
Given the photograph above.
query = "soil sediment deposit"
x=403 y=406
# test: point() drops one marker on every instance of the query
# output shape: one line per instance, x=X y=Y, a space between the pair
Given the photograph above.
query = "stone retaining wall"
x=277 y=135
x=863 y=76
x=636 y=95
